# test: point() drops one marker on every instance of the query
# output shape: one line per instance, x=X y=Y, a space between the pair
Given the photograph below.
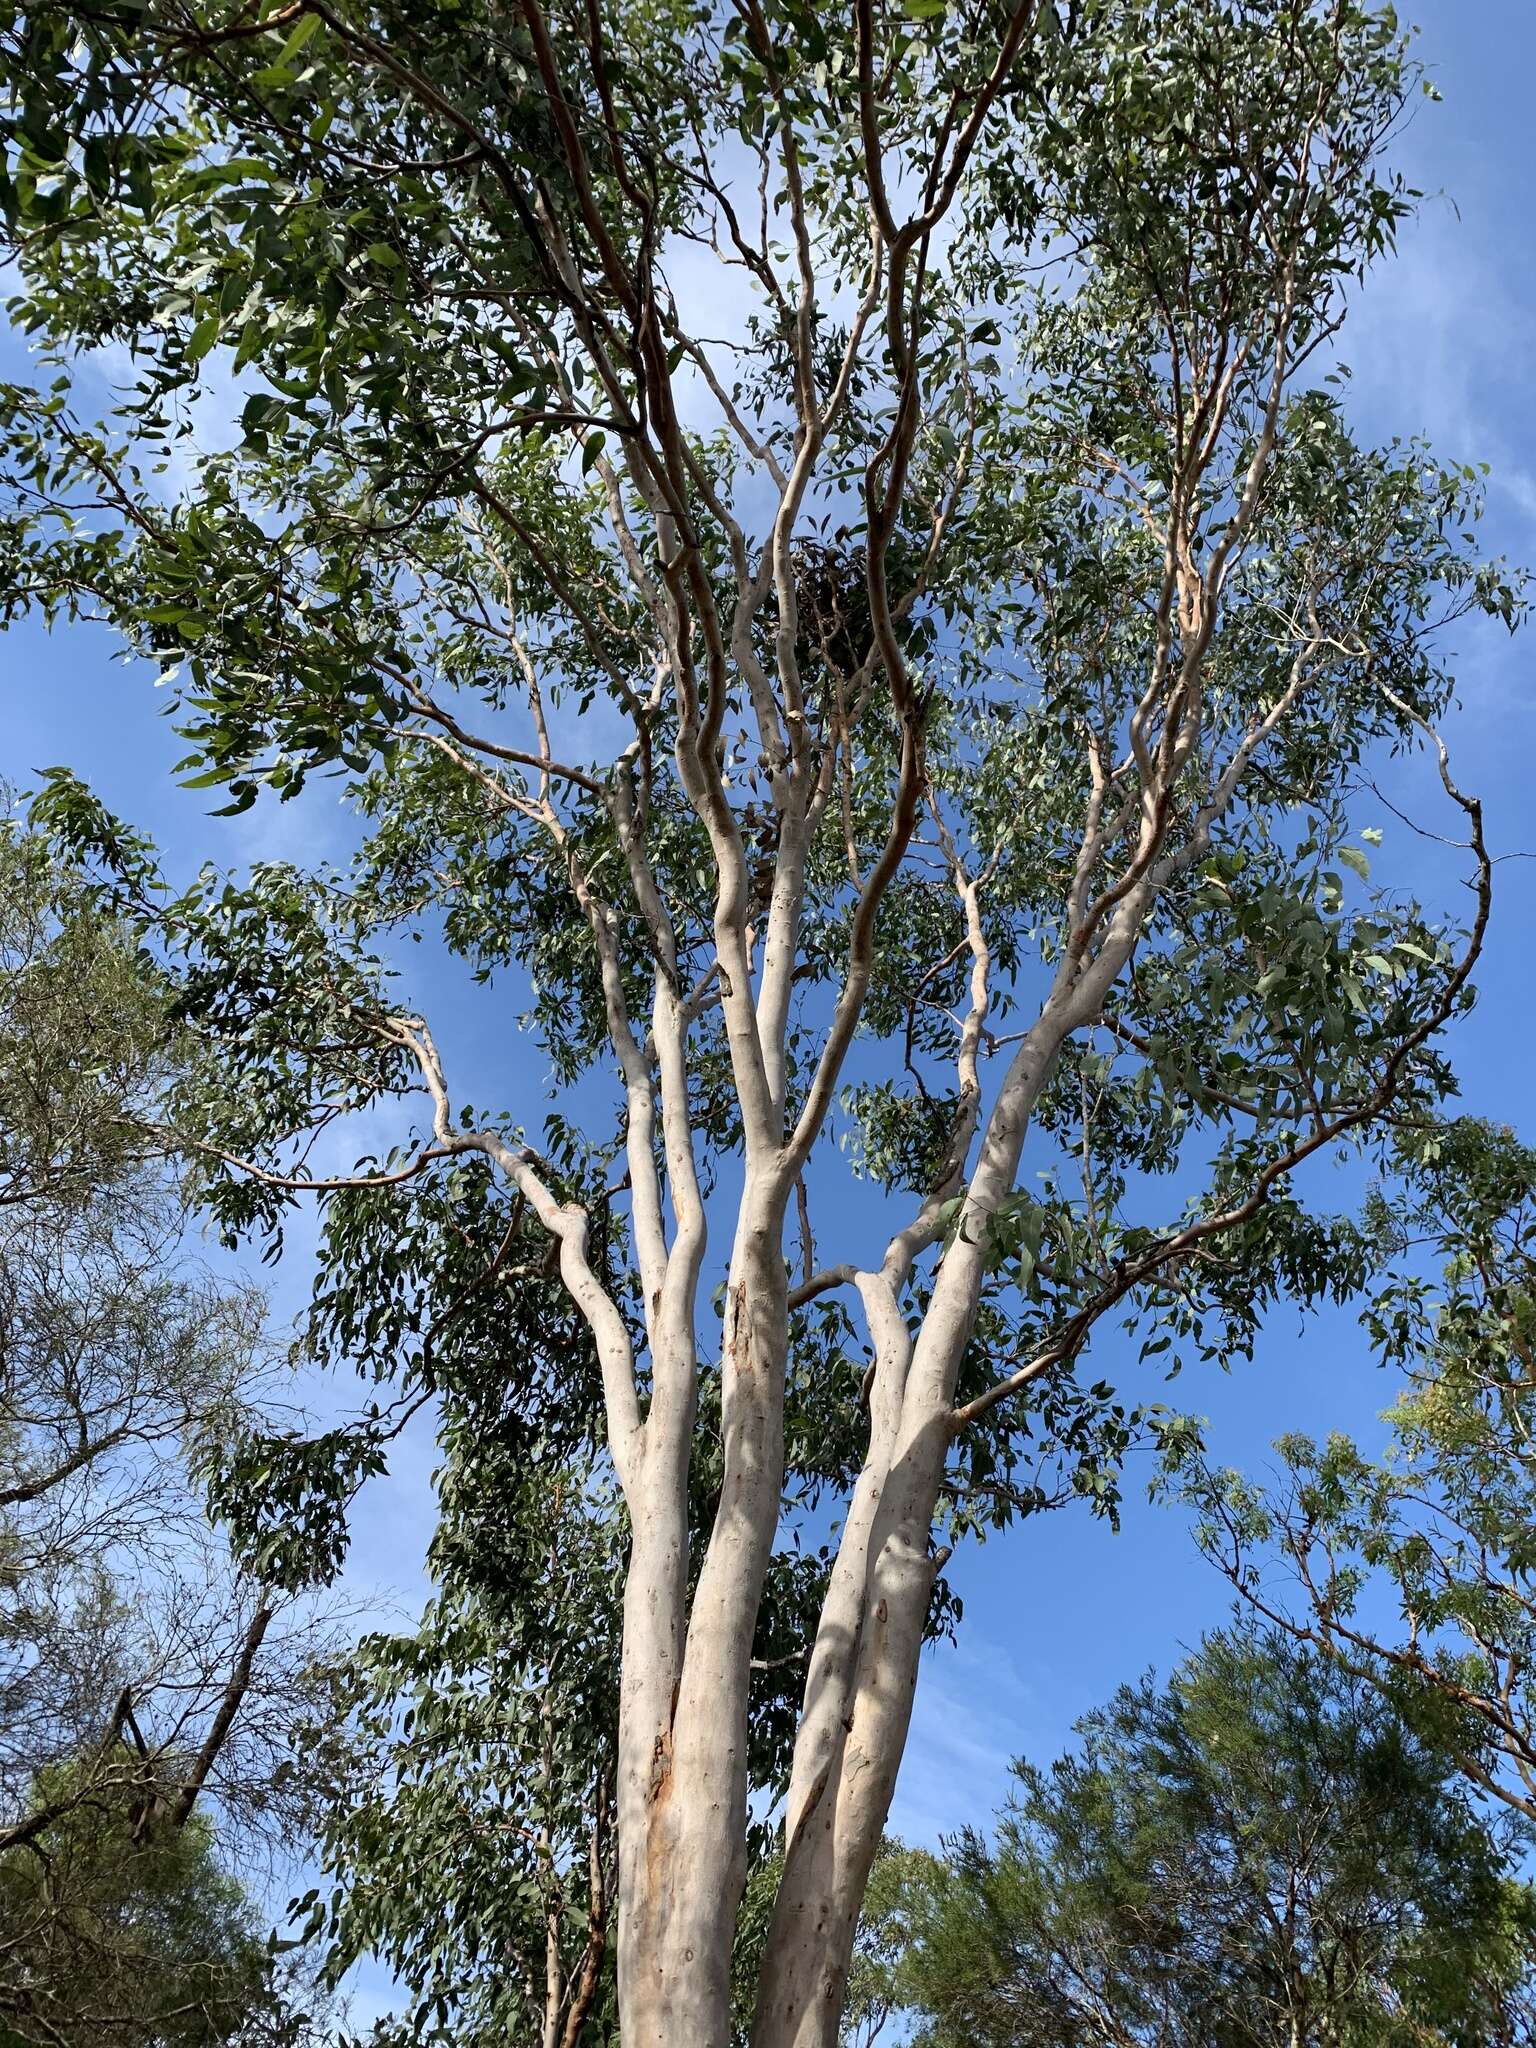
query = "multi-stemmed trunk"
x=864 y=1665
x=683 y=1765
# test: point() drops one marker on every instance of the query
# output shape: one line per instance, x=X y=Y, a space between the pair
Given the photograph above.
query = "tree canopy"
x=137 y=1943
x=1260 y=1851
x=827 y=561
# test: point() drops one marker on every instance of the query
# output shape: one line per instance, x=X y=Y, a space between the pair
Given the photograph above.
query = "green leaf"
x=303 y=29
x=202 y=337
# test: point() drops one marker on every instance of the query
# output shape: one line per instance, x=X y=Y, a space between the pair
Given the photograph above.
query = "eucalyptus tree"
x=1413 y=1567
x=470 y=1840
x=826 y=562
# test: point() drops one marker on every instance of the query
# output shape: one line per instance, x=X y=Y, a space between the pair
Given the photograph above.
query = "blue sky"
x=1060 y=1611
x=1443 y=343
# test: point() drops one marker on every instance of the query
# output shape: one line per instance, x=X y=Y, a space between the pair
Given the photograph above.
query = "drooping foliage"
x=826 y=558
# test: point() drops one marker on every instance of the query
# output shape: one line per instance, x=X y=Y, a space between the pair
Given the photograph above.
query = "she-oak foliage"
x=823 y=553
x=1263 y=1851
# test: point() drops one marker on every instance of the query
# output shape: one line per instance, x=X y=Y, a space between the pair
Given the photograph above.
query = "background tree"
x=140 y=1674
x=1414 y=1568
x=1261 y=1852
x=900 y=1888
x=924 y=711
x=82 y=1039
x=473 y=1850
x=134 y=1941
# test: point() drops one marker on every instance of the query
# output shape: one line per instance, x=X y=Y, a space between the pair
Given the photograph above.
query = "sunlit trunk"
x=870 y=1640
x=684 y=1757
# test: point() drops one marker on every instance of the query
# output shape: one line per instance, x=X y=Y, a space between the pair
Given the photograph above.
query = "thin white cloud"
x=975 y=1712
x=1440 y=342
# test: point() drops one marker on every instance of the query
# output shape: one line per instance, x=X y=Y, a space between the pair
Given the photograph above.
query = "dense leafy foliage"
x=424 y=537
x=1262 y=1851
x=82 y=1034
x=129 y=1941
x=473 y=1850
x=827 y=562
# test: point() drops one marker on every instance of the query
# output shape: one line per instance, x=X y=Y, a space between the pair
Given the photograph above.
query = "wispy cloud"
x=975 y=1712
x=1441 y=343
